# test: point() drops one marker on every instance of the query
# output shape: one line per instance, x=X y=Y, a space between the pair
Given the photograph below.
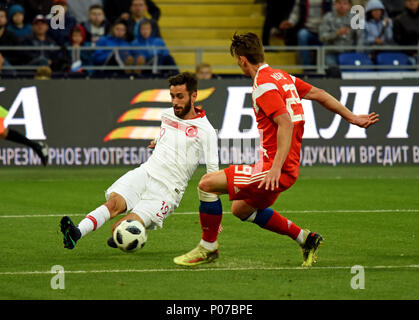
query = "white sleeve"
x=210 y=149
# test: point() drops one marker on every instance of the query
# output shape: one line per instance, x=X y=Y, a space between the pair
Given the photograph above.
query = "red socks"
x=271 y=220
x=210 y=225
x=210 y=215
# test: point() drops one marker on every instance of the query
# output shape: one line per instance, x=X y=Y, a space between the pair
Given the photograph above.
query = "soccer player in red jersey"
x=254 y=188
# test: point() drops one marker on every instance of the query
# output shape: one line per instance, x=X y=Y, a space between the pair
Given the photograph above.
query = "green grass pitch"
x=369 y=216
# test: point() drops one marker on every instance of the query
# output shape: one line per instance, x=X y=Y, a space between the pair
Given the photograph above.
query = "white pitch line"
x=351 y=211
x=412 y=266
x=225 y=212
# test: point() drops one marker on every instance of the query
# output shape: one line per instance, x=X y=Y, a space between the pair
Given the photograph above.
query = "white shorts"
x=145 y=196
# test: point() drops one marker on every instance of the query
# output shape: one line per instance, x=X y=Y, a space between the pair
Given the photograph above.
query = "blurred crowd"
x=328 y=22
x=133 y=26
x=89 y=24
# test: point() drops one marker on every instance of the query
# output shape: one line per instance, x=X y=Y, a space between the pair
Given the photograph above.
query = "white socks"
x=94 y=220
x=211 y=246
x=300 y=239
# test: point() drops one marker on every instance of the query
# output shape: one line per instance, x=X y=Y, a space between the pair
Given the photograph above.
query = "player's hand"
x=271 y=180
x=365 y=120
x=152 y=144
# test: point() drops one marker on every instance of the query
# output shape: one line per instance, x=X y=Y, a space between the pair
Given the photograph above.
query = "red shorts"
x=243 y=182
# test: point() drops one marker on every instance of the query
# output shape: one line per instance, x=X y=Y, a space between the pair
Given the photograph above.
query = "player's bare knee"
x=205 y=183
x=116 y=204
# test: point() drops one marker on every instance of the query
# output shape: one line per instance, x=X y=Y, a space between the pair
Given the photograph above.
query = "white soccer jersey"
x=180 y=146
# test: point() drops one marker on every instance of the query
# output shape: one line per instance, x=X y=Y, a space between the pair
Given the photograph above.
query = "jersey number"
x=292 y=101
x=163 y=210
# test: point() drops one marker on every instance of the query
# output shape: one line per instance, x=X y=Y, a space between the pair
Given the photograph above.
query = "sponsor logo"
x=141 y=113
x=328 y=141
x=363 y=99
x=27 y=104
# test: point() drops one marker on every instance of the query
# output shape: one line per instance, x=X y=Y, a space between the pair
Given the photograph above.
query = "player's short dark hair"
x=185 y=78
x=248 y=45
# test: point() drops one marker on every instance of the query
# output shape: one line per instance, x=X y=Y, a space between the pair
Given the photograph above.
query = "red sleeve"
x=302 y=87
x=272 y=103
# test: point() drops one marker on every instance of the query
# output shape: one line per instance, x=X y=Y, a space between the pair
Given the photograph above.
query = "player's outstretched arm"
x=334 y=105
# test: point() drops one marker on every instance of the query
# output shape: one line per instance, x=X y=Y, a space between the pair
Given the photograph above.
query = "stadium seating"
x=355 y=59
x=212 y=23
x=393 y=59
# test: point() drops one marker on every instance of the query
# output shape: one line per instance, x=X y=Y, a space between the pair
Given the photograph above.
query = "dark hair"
x=249 y=46
x=185 y=78
x=4 y=10
x=146 y=21
x=95 y=6
x=78 y=29
x=132 y=1
x=119 y=21
x=369 y=14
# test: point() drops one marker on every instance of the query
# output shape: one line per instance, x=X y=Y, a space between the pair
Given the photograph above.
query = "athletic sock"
x=271 y=220
x=210 y=216
x=94 y=220
x=211 y=246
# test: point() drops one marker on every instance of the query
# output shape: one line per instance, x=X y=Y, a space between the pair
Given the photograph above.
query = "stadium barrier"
x=410 y=70
x=111 y=122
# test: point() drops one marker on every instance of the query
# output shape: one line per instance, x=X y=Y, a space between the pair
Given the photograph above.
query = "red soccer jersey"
x=276 y=92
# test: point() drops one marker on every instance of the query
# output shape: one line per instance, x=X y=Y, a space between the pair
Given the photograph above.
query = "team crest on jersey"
x=191 y=131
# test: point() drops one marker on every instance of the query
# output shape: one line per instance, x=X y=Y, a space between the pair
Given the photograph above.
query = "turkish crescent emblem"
x=191 y=131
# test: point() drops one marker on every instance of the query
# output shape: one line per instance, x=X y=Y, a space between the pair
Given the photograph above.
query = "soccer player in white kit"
x=151 y=192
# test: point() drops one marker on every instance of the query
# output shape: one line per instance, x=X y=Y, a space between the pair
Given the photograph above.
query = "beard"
x=184 y=111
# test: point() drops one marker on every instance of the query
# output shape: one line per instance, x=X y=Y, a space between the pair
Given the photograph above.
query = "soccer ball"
x=130 y=235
